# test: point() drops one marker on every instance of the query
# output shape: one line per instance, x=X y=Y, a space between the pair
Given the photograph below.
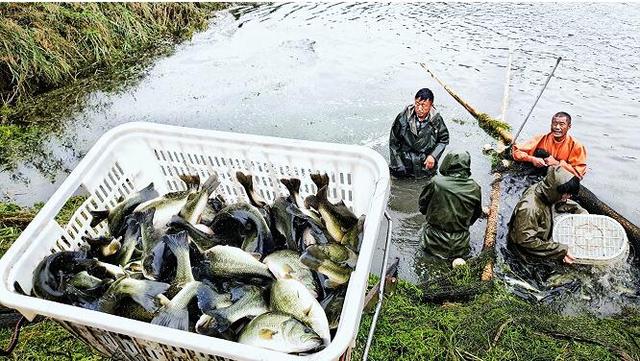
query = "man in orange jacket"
x=554 y=148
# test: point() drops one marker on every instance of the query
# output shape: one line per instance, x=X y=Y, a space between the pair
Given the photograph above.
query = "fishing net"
x=458 y=284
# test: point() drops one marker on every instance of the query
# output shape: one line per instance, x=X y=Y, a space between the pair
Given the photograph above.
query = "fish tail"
x=292 y=185
x=192 y=181
x=149 y=192
x=221 y=322
x=146 y=296
x=173 y=317
x=178 y=243
x=322 y=195
x=311 y=202
x=245 y=180
x=320 y=180
x=211 y=184
x=98 y=216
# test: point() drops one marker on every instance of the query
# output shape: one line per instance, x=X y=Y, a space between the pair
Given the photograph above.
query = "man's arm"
x=425 y=197
x=577 y=162
x=524 y=152
x=395 y=142
x=526 y=235
x=443 y=138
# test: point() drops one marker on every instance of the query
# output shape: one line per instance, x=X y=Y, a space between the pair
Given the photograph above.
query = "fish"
x=248 y=301
x=129 y=242
x=175 y=314
x=233 y=262
x=338 y=219
x=335 y=252
x=353 y=237
x=292 y=297
x=286 y=264
x=102 y=247
x=201 y=239
x=116 y=217
x=197 y=201
x=332 y=305
x=153 y=250
x=51 y=274
x=293 y=186
x=214 y=205
x=317 y=260
x=166 y=206
x=243 y=223
x=178 y=244
x=279 y=332
x=144 y=292
x=246 y=181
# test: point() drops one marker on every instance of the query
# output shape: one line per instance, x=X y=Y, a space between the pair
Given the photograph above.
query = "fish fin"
x=320 y=180
x=149 y=191
x=287 y=271
x=256 y=255
x=361 y=221
x=145 y=217
x=266 y=333
x=147 y=297
x=311 y=202
x=178 y=243
x=307 y=312
x=191 y=181
x=177 y=318
x=221 y=322
x=120 y=199
x=152 y=262
x=211 y=183
x=112 y=248
x=98 y=216
x=177 y=222
x=208 y=299
x=99 y=241
x=322 y=195
x=292 y=185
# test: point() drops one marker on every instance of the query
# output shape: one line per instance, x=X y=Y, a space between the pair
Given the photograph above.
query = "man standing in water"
x=451 y=202
x=554 y=148
x=418 y=138
x=532 y=219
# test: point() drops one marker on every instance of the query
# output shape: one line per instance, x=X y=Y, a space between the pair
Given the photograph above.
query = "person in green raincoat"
x=417 y=139
x=451 y=202
x=532 y=219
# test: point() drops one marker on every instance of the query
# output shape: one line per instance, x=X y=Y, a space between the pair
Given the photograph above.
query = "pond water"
x=341 y=73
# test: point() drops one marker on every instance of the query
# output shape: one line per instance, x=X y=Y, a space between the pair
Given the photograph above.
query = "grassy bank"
x=53 y=54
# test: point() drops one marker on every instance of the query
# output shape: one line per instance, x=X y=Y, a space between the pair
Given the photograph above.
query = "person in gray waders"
x=417 y=139
x=451 y=202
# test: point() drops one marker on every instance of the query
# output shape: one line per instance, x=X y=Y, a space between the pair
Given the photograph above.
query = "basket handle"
x=383 y=269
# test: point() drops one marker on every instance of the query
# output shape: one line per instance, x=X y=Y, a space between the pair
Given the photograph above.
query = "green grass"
x=52 y=55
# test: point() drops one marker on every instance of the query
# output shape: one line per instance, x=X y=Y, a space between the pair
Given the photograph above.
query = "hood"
x=456 y=164
x=548 y=187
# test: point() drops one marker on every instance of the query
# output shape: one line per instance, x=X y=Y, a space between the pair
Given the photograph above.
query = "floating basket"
x=592 y=239
x=128 y=158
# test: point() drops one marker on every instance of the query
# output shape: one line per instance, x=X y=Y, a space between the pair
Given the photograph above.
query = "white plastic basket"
x=592 y=239
x=129 y=157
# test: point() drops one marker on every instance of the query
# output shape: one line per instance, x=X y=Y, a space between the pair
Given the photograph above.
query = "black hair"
x=562 y=114
x=541 y=153
x=571 y=187
x=424 y=94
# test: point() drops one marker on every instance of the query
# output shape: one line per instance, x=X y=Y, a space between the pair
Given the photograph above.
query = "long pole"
x=536 y=102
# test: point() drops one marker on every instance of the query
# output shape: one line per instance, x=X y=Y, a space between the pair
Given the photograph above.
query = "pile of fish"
x=268 y=275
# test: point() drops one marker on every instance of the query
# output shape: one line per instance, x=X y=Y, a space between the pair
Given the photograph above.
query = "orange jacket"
x=570 y=153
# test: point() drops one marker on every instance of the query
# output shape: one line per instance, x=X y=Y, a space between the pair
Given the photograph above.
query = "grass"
x=52 y=55
x=495 y=325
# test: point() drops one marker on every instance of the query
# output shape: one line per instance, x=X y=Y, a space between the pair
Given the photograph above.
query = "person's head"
x=423 y=102
x=560 y=125
x=569 y=189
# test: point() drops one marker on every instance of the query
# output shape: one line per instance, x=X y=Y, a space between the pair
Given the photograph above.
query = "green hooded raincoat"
x=532 y=219
x=409 y=145
x=451 y=202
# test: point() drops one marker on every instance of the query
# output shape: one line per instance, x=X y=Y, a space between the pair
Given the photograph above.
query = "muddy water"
x=341 y=73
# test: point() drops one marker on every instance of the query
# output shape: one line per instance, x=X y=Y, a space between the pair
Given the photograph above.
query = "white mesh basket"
x=129 y=157
x=592 y=239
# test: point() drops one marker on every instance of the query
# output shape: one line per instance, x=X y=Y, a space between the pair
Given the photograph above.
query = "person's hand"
x=550 y=160
x=430 y=162
x=538 y=162
x=569 y=259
